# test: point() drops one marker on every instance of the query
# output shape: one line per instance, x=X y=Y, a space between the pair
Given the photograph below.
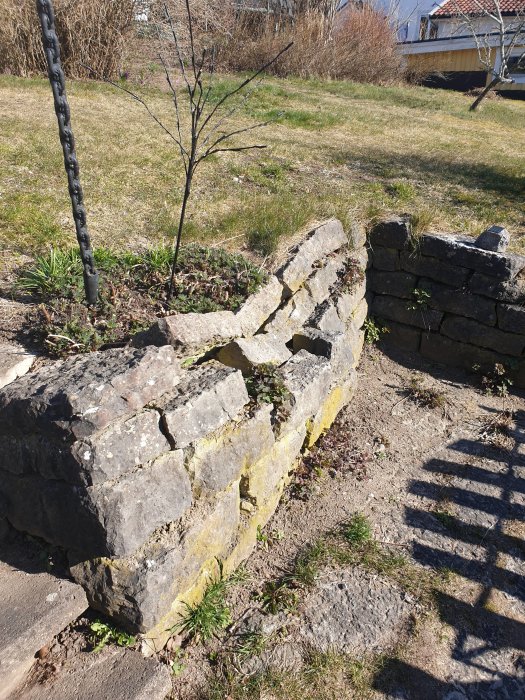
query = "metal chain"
x=58 y=85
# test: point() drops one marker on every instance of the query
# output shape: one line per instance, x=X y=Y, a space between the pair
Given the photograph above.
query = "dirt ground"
x=444 y=487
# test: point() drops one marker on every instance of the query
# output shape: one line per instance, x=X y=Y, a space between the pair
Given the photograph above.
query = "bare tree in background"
x=202 y=122
x=496 y=37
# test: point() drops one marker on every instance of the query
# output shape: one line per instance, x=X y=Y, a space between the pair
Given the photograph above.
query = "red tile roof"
x=472 y=7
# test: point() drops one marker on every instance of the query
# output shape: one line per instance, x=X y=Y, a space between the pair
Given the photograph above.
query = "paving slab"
x=111 y=674
x=14 y=363
x=34 y=607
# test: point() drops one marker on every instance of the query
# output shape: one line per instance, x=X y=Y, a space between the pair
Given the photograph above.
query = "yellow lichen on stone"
x=339 y=397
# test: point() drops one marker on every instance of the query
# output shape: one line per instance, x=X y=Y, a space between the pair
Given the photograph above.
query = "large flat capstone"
x=85 y=393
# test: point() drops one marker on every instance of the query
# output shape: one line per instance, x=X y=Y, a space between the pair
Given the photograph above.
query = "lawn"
x=356 y=151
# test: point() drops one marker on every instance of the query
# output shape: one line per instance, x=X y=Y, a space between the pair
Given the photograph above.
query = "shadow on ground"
x=474 y=527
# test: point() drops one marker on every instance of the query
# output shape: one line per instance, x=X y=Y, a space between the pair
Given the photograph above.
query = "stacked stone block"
x=450 y=299
x=147 y=464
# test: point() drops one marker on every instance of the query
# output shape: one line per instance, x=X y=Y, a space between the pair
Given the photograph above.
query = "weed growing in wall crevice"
x=265 y=385
x=104 y=634
x=373 y=330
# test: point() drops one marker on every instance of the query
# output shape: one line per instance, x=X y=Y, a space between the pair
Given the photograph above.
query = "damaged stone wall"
x=456 y=300
x=148 y=463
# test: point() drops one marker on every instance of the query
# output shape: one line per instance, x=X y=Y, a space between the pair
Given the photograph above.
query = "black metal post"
x=56 y=78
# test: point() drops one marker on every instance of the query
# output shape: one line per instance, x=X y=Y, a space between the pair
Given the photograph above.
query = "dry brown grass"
x=91 y=32
x=359 y=45
x=337 y=148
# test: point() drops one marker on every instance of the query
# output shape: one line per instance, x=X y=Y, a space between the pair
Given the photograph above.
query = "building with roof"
x=438 y=39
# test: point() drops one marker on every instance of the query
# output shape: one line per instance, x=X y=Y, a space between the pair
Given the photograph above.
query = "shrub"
x=90 y=32
x=359 y=44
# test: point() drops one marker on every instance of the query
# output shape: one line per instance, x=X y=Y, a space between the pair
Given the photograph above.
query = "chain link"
x=58 y=85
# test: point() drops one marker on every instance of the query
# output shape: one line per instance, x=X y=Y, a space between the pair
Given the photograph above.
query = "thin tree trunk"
x=187 y=191
x=483 y=94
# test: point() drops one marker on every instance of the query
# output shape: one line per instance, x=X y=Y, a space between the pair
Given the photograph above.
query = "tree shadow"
x=379 y=163
x=467 y=529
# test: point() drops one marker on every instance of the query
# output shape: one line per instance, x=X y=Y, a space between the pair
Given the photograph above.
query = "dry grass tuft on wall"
x=91 y=32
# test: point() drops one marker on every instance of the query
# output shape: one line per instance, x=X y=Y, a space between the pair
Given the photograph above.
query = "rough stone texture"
x=138 y=503
x=111 y=519
x=34 y=607
x=393 y=233
x=353 y=612
x=259 y=306
x=438 y=348
x=113 y=673
x=469 y=331
x=341 y=393
x=348 y=300
x=511 y=318
x=462 y=251
x=326 y=318
x=356 y=235
x=308 y=379
x=405 y=337
x=14 y=363
x=321 y=282
x=291 y=316
x=435 y=269
x=397 y=284
x=385 y=258
x=261 y=481
x=89 y=461
x=394 y=309
x=207 y=398
x=333 y=346
x=139 y=591
x=219 y=460
x=322 y=241
x=360 y=313
x=193 y=333
x=245 y=353
x=512 y=291
x=459 y=301
x=494 y=238
x=85 y=393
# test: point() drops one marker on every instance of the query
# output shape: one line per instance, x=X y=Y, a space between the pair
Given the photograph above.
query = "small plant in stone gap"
x=373 y=330
x=496 y=382
x=265 y=384
x=104 y=634
x=205 y=619
x=420 y=300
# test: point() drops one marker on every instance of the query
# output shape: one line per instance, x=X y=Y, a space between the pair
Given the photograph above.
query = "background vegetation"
x=338 y=148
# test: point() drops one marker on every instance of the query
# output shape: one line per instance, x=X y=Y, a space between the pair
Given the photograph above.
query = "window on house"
x=433 y=31
x=423 y=27
x=517 y=64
